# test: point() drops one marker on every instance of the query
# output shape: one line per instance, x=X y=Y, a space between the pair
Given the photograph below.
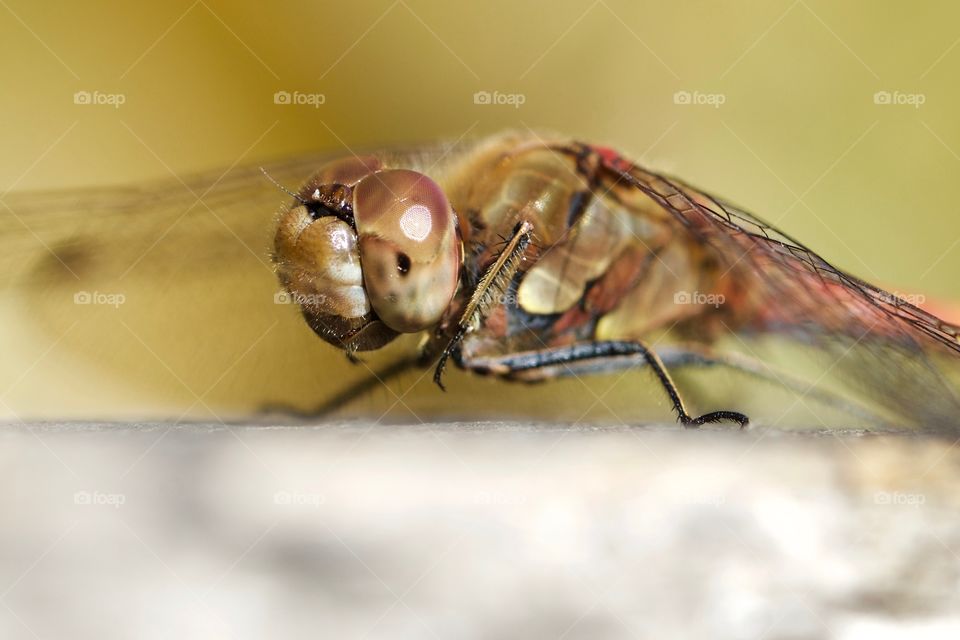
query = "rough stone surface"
x=475 y=531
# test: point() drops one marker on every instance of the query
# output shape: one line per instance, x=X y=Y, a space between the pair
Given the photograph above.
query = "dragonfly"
x=519 y=257
x=529 y=259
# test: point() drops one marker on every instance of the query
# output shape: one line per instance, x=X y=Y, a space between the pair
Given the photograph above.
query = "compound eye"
x=348 y=171
x=410 y=251
x=345 y=171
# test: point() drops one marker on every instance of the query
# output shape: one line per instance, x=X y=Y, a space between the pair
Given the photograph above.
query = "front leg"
x=494 y=282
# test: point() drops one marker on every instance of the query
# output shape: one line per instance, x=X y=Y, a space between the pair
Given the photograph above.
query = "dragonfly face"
x=369 y=252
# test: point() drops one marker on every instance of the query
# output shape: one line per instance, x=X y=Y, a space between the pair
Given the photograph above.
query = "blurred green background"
x=783 y=118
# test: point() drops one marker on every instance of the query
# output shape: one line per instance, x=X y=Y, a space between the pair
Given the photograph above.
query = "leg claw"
x=715 y=416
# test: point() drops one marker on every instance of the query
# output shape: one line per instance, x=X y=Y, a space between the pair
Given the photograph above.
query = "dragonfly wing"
x=165 y=289
x=884 y=346
x=75 y=237
x=200 y=221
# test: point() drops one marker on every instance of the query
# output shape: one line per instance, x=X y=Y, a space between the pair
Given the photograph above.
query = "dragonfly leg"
x=495 y=279
x=698 y=355
x=660 y=370
x=552 y=361
x=354 y=391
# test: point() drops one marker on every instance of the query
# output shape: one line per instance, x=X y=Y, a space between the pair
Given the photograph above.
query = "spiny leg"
x=353 y=392
x=683 y=355
x=671 y=388
x=494 y=282
x=687 y=355
x=611 y=349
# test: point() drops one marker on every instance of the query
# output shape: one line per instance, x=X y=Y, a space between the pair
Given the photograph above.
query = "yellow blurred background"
x=836 y=121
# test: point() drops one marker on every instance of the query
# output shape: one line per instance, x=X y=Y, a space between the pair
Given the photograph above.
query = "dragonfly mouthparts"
x=331 y=200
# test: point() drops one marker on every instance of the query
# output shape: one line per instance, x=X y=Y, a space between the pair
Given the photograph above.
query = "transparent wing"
x=137 y=300
x=209 y=221
x=206 y=221
x=158 y=298
x=877 y=343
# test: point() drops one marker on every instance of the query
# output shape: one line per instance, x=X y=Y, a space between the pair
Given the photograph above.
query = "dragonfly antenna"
x=282 y=188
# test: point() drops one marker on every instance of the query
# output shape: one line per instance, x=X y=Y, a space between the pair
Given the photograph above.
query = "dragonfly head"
x=369 y=252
